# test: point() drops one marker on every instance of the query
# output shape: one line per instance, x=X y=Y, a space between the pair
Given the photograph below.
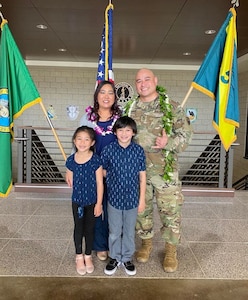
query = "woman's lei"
x=167 y=121
x=99 y=130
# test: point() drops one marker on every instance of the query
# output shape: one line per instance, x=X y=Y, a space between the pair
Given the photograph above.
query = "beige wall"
x=63 y=86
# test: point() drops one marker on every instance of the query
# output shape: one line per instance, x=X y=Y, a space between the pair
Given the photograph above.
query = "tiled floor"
x=36 y=239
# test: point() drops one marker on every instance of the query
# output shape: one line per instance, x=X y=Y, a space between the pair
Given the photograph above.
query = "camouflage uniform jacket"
x=148 y=117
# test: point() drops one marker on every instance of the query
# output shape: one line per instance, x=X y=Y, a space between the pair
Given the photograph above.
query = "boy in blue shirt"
x=125 y=170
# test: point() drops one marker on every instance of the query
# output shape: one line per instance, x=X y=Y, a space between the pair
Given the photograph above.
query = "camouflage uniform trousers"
x=169 y=200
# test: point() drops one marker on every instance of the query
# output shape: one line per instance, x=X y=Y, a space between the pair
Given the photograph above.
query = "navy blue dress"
x=101 y=225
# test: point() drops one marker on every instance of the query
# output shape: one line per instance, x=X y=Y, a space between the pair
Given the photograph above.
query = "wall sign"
x=124 y=92
x=191 y=114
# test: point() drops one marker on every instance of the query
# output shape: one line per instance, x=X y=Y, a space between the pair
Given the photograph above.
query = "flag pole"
x=187 y=96
x=235 y=3
x=53 y=130
x=1 y=15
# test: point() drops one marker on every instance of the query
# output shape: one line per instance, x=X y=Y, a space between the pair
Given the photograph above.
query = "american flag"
x=105 y=71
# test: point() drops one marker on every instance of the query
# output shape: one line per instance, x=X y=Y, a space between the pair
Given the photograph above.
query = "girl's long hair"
x=90 y=132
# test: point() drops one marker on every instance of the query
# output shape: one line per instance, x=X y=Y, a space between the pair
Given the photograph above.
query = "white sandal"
x=89 y=264
x=80 y=266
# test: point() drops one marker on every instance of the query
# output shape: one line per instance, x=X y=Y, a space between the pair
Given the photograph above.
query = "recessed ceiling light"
x=41 y=26
x=62 y=49
x=210 y=31
x=186 y=53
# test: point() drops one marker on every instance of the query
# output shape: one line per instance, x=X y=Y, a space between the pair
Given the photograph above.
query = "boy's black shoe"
x=129 y=268
x=111 y=267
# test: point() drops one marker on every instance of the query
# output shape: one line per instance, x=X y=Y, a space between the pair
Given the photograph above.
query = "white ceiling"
x=144 y=32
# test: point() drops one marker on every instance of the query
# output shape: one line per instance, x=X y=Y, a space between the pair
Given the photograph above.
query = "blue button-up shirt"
x=123 y=166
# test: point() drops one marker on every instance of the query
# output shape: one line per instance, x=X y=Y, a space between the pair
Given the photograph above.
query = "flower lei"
x=167 y=121
x=99 y=130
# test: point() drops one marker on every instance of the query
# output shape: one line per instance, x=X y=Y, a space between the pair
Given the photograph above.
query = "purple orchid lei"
x=99 y=130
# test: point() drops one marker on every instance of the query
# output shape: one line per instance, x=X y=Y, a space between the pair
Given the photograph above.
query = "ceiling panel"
x=154 y=32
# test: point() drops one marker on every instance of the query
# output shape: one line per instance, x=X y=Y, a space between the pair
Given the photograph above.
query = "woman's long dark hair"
x=115 y=109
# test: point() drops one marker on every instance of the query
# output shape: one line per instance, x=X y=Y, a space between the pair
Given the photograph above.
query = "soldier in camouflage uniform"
x=146 y=111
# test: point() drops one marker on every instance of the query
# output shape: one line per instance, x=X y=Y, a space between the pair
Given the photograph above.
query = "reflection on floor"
x=36 y=247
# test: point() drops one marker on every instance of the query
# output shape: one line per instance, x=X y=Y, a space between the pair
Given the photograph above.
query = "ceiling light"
x=186 y=53
x=210 y=31
x=41 y=26
x=62 y=50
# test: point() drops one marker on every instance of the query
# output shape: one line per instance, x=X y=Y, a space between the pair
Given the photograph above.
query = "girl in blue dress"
x=85 y=175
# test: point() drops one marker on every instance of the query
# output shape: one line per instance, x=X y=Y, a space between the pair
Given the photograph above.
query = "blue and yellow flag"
x=105 y=70
x=17 y=92
x=218 y=78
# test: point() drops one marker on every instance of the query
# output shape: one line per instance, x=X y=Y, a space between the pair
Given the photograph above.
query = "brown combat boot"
x=170 y=260
x=144 y=252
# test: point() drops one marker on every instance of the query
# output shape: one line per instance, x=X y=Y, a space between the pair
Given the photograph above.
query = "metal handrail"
x=204 y=163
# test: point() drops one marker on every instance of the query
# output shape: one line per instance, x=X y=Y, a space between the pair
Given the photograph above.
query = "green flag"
x=17 y=92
